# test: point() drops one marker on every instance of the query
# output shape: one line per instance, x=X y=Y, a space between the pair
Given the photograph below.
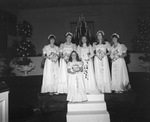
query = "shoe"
x=56 y=93
x=50 y=93
x=112 y=91
x=118 y=91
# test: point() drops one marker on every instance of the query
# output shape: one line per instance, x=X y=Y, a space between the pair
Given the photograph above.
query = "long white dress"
x=85 y=53
x=66 y=50
x=76 y=89
x=120 y=79
x=101 y=67
x=50 y=72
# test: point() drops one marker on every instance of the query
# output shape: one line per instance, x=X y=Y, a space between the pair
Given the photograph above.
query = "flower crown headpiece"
x=51 y=35
x=69 y=33
x=115 y=34
x=100 y=31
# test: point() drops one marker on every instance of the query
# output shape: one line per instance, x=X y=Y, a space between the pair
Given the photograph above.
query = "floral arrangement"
x=85 y=69
x=66 y=57
x=145 y=62
x=86 y=56
x=24 y=64
x=115 y=55
x=101 y=54
x=145 y=58
x=76 y=68
x=25 y=61
x=53 y=57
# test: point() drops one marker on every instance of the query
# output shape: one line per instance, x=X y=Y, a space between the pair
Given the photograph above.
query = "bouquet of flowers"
x=101 y=54
x=53 y=57
x=76 y=68
x=115 y=55
x=66 y=57
x=86 y=56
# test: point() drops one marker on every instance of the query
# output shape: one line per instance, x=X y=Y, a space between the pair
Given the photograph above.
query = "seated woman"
x=76 y=89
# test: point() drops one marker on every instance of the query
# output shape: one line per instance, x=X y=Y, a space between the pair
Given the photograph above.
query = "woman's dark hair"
x=52 y=37
x=77 y=56
x=87 y=41
x=69 y=34
x=114 y=36
x=103 y=40
x=71 y=37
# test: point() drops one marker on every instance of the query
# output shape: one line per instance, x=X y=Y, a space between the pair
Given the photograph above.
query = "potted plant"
x=23 y=48
x=145 y=62
x=5 y=68
x=24 y=64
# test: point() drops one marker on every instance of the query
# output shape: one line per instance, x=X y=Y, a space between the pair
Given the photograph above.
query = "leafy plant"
x=23 y=61
x=5 y=59
x=145 y=58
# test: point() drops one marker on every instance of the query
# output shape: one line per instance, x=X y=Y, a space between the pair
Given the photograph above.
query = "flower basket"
x=24 y=64
x=25 y=68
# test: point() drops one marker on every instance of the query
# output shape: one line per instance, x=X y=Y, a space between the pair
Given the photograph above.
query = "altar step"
x=94 y=110
x=87 y=106
x=95 y=97
x=88 y=116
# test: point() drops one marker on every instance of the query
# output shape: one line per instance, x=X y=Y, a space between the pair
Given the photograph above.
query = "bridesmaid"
x=86 y=54
x=50 y=73
x=76 y=90
x=101 y=65
x=65 y=50
x=120 y=79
